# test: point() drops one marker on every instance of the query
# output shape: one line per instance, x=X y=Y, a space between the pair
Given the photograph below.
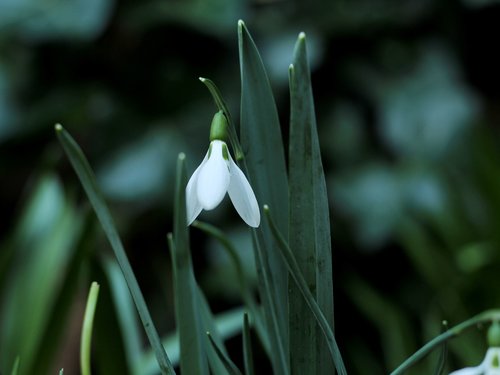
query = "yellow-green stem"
x=88 y=322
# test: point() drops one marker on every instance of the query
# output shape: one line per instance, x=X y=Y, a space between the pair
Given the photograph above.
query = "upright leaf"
x=88 y=324
x=301 y=284
x=193 y=360
x=309 y=224
x=265 y=160
x=247 y=347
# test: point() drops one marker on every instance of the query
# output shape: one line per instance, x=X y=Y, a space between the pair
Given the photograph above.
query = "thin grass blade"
x=88 y=323
x=88 y=181
x=247 y=347
x=229 y=365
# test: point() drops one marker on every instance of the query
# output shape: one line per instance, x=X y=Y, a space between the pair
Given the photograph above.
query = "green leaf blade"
x=88 y=324
x=193 y=360
x=309 y=223
x=229 y=366
x=301 y=284
x=247 y=347
x=264 y=157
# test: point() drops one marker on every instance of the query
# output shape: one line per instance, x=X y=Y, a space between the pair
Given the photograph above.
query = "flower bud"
x=494 y=334
x=218 y=128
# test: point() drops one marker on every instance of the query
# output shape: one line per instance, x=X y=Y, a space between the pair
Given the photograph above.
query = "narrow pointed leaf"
x=229 y=365
x=300 y=282
x=193 y=360
x=265 y=161
x=88 y=324
x=88 y=181
x=247 y=347
x=309 y=224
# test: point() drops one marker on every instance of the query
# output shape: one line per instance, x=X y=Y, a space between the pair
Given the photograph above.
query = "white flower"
x=216 y=175
x=489 y=366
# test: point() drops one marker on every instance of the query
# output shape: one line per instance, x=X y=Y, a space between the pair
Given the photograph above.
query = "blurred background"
x=408 y=106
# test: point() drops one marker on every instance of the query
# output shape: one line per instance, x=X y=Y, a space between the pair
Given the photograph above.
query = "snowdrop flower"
x=218 y=174
x=489 y=366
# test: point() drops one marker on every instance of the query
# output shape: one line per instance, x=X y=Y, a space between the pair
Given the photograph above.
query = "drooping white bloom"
x=489 y=366
x=216 y=175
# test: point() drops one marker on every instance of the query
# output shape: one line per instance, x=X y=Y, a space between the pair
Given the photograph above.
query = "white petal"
x=193 y=206
x=213 y=178
x=469 y=371
x=491 y=361
x=486 y=367
x=243 y=197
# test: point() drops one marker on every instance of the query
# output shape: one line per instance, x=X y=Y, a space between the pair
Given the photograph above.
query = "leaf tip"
x=181 y=157
x=202 y=79
x=241 y=24
x=302 y=35
x=58 y=128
